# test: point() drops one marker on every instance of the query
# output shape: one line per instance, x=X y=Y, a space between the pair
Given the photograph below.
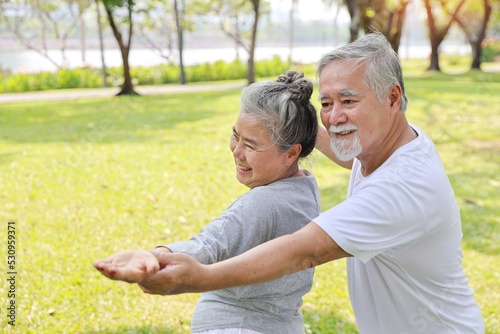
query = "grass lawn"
x=84 y=179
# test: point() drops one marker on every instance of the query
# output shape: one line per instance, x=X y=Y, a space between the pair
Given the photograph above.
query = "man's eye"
x=250 y=147
x=325 y=104
x=348 y=102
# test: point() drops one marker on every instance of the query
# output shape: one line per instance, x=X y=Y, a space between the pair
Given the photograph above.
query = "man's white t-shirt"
x=402 y=225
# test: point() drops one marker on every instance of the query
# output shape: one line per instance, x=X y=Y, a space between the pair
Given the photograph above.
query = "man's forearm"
x=307 y=248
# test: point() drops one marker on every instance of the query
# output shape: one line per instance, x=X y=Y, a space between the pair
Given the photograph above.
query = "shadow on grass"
x=321 y=323
x=478 y=200
x=137 y=330
x=314 y=323
x=124 y=119
x=6 y=158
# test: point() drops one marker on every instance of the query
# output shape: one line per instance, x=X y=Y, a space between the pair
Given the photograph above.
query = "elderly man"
x=399 y=227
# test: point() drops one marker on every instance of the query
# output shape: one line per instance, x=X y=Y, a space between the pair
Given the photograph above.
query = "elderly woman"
x=276 y=127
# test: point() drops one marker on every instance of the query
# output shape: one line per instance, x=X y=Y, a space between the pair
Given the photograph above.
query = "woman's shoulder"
x=284 y=190
x=307 y=180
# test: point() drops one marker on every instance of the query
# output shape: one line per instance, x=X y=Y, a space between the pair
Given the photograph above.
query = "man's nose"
x=337 y=115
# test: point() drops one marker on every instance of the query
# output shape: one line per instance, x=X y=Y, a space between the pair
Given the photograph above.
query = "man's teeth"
x=345 y=132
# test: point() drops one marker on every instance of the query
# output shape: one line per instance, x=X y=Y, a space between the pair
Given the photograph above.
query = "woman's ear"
x=293 y=154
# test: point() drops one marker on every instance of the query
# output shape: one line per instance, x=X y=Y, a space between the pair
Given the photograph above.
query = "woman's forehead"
x=251 y=128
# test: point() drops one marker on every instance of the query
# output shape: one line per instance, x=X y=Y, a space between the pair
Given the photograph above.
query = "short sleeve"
x=380 y=216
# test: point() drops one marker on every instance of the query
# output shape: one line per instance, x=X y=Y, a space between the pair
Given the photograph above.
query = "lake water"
x=28 y=61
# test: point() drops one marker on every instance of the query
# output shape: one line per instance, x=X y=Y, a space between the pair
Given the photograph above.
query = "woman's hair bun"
x=301 y=86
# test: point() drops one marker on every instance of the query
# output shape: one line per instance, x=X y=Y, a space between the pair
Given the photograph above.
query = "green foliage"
x=84 y=179
x=157 y=75
x=491 y=49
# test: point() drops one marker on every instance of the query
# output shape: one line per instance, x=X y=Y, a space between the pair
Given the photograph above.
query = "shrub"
x=491 y=49
x=141 y=75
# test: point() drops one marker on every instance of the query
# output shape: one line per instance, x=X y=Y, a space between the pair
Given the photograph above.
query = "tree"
x=437 y=34
x=474 y=23
x=330 y=4
x=179 y=23
x=353 y=8
x=385 y=17
x=101 y=45
x=82 y=5
x=230 y=13
x=251 y=72
x=291 y=29
x=158 y=26
x=34 y=23
x=111 y=7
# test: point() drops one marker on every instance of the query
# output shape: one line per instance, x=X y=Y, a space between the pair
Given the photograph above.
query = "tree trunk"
x=101 y=46
x=376 y=16
x=380 y=21
x=180 y=39
x=127 y=87
x=336 y=26
x=476 y=41
x=476 y=60
x=434 y=65
x=353 y=8
x=290 y=30
x=396 y=25
x=82 y=39
x=251 y=72
x=237 y=32
x=476 y=54
x=434 y=57
x=437 y=36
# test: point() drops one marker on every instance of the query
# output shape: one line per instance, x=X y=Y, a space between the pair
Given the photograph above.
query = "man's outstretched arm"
x=306 y=248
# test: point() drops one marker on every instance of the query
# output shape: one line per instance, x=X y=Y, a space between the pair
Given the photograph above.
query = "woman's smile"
x=243 y=169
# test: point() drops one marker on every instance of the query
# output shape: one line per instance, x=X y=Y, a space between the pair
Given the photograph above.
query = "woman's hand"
x=129 y=266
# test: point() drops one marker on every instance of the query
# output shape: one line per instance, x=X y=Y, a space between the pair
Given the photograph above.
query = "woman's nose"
x=238 y=151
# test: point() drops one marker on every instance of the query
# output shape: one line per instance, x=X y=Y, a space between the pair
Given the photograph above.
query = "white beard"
x=345 y=149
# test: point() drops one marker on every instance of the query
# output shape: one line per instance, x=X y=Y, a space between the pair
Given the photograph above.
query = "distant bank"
x=28 y=61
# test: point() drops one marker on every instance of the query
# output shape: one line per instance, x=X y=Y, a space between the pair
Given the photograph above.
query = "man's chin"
x=345 y=152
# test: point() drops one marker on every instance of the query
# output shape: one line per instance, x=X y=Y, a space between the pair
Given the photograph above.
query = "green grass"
x=84 y=179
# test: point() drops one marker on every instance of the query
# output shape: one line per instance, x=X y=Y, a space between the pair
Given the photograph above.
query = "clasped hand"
x=156 y=272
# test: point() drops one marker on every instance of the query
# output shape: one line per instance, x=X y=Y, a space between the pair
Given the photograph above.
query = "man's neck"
x=401 y=134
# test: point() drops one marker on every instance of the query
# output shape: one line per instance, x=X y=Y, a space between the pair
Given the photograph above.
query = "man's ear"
x=395 y=93
x=293 y=154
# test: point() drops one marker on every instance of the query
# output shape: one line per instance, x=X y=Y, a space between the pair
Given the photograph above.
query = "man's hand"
x=129 y=266
x=180 y=273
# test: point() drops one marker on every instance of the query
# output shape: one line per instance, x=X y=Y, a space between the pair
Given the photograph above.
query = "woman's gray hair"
x=383 y=69
x=283 y=107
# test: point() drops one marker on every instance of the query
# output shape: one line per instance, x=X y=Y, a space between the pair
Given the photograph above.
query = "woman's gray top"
x=261 y=214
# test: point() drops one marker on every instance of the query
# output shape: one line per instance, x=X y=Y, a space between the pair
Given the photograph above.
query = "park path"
x=87 y=93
